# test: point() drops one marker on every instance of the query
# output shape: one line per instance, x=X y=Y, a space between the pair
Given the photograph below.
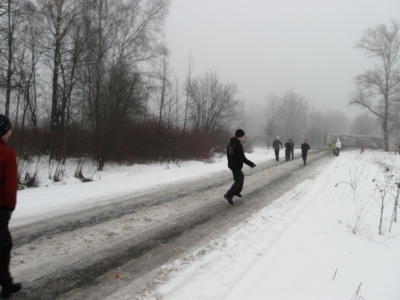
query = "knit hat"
x=277 y=137
x=5 y=125
x=239 y=133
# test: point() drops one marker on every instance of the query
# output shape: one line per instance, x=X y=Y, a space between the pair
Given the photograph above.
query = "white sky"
x=273 y=46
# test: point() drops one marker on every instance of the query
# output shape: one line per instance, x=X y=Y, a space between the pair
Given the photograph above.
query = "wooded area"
x=91 y=79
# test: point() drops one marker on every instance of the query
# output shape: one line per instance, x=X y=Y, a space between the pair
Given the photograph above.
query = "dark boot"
x=238 y=195
x=9 y=289
x=229 y=199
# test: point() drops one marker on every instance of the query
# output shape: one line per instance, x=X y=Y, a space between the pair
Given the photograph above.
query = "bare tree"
x=379 y=89
x=13 y=17
x=213 y=104
x=187 y=87
x=70 y=63
x=122 y=101
x=292 y=114
x=271 y=119
x=316 y=129
x=165 y=87
x=27 y=65
x=123 y=39
x=286 y=116
x=59 y=15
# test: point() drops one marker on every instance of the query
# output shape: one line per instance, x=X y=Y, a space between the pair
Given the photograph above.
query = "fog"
x=270 y=47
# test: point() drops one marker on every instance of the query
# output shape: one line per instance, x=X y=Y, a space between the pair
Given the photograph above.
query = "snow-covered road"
x=77 y=255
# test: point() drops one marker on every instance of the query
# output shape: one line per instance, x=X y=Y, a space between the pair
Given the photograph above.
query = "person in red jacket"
x=8 y=201
x=362 y=148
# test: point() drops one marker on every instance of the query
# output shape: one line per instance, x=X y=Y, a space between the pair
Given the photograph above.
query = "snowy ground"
x=319 y=240
x=70 y=195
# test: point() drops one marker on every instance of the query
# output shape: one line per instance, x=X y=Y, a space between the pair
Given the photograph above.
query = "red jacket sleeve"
x=10 y=173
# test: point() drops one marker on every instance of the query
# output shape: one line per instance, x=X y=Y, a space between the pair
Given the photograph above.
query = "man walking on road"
x=292 y=143
x=288 y=150
x=304 y=150
x=8 y=201
x=338 y=146
x=236 y=158
x=276 y=147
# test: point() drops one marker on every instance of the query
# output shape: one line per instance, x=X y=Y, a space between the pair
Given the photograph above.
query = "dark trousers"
x=287 y=153
x=292 y=153
x=337 y=151
x=237 y=186
x=277 y=154
x=5 y=248
x=304 y=155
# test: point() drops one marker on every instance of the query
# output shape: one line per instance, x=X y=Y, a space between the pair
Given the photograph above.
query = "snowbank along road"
x=78 y=256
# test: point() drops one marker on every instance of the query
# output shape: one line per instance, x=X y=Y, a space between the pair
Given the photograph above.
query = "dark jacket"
x=288 y=146
x=8 y=177
x=305 y=147
x=276 y=143
x=236 y=156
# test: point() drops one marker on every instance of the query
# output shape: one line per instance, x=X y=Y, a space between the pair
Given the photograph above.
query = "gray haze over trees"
x=366 y=124
x=291 y=116
x=270 y=47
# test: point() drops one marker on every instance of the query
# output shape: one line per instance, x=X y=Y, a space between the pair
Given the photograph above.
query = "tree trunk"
x=54 y=99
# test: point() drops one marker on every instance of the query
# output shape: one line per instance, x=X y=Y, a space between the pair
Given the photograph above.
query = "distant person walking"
x=8 y=201
x=338 y=147
x=334 y=148
x=276 y=147
x=288 y=150
x=304 y=150
x=236 y=158
x=396 y=149
x=362 y=148
x=291 y=141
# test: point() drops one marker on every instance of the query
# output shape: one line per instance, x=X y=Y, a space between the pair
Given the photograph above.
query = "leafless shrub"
x=85 y=166
x=28 y=171
x=356 y=223
x=354 y=180
x=362 y=205
x=396 y=204
x=56 y=170
x=386 y=194
x=357 y=294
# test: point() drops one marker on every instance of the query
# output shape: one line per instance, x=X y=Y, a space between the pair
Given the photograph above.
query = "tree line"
x=92 y=78
x=291 y=116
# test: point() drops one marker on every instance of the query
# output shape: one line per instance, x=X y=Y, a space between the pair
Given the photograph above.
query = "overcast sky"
x=273 y=46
